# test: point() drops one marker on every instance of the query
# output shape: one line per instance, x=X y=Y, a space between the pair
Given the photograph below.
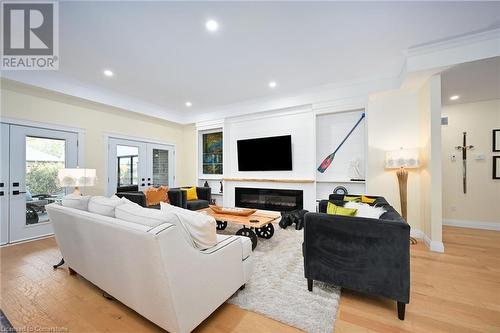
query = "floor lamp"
x=402 y=160
x=76 y=177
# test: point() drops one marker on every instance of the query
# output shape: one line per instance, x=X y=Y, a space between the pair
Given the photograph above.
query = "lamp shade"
x=402 y=158
x=76 y=177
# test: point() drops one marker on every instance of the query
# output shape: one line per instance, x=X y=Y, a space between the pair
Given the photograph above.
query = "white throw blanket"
x=200 y=227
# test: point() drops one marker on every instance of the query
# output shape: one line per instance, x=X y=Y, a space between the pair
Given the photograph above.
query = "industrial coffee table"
x=259 y=223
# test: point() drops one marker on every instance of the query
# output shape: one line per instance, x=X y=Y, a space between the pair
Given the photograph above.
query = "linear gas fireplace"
x=269 y=199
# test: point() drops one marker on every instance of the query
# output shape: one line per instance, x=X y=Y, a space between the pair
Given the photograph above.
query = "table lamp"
x=76 y=177
x=402 y=160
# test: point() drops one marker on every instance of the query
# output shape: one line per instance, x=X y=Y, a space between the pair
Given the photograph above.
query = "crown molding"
x=75 y=89
x=452 y=42
x=210 y=124
x=452 y=51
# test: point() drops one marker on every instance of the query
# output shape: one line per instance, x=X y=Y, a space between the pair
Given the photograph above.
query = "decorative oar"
x=329 y=159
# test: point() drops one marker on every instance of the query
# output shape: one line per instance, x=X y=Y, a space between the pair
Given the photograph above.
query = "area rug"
x=278 y=289
x=5 y=325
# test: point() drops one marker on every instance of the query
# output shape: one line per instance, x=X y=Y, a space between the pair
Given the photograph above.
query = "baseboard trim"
x=416 y=233
x=472 y=224
x=432 y=245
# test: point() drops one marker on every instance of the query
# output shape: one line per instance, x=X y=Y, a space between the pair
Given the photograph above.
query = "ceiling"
x=473 y=81
x=163 y=56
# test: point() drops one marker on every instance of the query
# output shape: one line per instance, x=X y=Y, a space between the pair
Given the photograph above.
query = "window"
x=128 y=158
x=160 y=167
x=44 y=158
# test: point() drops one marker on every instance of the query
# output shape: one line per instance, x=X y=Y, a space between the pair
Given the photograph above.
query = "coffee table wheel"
x=266 y=231
x=250 y=234
x=221 y=225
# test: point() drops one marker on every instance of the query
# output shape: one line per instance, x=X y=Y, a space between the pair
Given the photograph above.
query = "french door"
x=4 y=184
x=136 y=165
x=31 y=159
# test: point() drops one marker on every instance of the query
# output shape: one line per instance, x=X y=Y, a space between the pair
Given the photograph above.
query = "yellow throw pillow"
x=367 y=200
x=348 y=198
x=191 y=193
x=333 y=209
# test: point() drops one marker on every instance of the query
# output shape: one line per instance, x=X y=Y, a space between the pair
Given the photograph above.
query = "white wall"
x=392 y=123
x=409 y=119
x=480 y=206
x=331 y=129
x=429 y=106
x=33 y=104
x=299 y=123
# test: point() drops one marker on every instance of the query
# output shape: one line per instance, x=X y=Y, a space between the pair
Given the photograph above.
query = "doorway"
x=136 y=165
x=31 y=159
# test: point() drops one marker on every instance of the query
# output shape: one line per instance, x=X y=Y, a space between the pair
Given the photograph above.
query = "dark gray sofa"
x=176 y=196
x=371 y=256
x=204 y=197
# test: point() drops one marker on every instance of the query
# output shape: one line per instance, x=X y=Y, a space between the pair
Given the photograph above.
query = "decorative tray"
x=232 y=210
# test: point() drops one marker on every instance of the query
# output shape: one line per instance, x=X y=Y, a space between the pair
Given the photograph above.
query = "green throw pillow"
x=333 y=209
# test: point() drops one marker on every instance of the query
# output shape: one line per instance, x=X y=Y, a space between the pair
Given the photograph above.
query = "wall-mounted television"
x=265 y=154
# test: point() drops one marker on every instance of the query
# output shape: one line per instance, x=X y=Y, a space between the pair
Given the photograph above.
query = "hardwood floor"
x=458 y=291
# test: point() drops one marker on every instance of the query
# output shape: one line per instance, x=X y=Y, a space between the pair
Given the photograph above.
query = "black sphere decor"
x=340 y=190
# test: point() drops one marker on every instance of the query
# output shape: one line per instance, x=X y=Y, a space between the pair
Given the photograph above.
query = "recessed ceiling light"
x=188 y=104
x=272 y=84
x=108 y=73
x=454 y=97
x=212 y=25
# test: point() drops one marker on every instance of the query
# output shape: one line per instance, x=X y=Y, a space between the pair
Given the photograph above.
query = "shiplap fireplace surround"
x=300 y=123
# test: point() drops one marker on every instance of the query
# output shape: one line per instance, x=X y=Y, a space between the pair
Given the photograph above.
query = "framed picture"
x=496 y=167
x=496 y=140
x=212 y=153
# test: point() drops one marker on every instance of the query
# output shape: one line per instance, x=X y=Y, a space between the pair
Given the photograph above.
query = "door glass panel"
x=44 y=158
x=160 y=167
x=127 y=166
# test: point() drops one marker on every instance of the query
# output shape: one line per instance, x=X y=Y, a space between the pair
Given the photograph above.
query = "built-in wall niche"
x=216 y=189
x=211 y=157
x=349 y=163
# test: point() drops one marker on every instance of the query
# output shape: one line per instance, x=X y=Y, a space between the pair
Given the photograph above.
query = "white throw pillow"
x=132 y=212
x=105 y=206
x=76 y=201
x=365 y=210
x=200 y=227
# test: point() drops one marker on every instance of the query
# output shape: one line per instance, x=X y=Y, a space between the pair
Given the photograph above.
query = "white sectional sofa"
x=152 y=269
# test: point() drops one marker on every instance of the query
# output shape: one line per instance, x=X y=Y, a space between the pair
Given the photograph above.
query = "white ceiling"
x=162 y=55
x=473 y=81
